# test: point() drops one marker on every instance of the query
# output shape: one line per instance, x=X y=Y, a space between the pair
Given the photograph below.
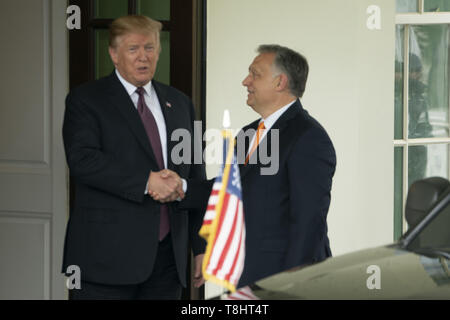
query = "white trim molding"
x=424 y=18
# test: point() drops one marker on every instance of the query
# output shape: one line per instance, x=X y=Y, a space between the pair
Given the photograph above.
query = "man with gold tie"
x=285 y=211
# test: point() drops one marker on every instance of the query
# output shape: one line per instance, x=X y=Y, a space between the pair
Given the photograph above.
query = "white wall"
x=350 y=91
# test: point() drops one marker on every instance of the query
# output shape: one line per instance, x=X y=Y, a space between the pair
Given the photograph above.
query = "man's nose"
x=246 y=81
x=142 y=55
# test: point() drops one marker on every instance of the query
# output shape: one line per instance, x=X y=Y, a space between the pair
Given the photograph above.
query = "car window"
x=436 y=234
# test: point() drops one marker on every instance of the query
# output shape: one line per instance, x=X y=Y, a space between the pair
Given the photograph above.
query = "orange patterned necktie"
x=259 y=133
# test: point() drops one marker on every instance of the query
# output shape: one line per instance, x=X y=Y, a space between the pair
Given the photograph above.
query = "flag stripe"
x=232 y=275
x=226 y=249
x=244 y=293
x=209 y=215
x=223 y=229
x=229 y=265
x=223 y=224
x=241 y=258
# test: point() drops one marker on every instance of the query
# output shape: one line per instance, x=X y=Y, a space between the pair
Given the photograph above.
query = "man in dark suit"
x=286 y=169
x=285 y=211
x=117 y=137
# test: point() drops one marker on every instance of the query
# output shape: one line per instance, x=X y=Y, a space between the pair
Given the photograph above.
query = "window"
x=422 y=69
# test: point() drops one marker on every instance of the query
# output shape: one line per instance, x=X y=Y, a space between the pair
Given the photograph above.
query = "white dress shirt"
x=269 y=122
x=152 y=102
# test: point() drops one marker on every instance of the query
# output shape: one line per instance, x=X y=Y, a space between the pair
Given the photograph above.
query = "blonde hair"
x=133 y=24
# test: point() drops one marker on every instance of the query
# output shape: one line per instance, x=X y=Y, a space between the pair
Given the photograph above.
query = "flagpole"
x=226 y=123
x=213 y=224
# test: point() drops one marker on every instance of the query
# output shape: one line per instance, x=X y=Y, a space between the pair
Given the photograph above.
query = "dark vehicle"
x=415 y=267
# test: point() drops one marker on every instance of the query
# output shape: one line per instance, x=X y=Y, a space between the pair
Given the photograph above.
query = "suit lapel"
x=243 y=169
x=280 y=125
x=170 y=118
x=290 y=113
x=119 y=97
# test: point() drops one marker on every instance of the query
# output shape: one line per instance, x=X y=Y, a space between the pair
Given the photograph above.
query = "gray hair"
x=292 y=64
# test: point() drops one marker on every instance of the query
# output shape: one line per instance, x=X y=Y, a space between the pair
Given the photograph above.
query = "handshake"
x=165 y=186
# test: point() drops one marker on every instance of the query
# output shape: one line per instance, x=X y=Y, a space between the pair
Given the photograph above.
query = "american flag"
x=244 y=293
x=223 y=225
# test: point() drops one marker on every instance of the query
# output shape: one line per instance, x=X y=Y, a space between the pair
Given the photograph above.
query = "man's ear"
x=283 y=82
x=113 y=54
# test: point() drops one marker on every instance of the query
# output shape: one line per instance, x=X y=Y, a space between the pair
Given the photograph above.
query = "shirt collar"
x=130 y=87
x=270 y=120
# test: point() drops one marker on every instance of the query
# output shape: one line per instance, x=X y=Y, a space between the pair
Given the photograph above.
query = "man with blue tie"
x=117 y=137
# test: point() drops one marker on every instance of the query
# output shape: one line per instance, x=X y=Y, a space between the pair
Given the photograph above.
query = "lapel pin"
x=168 y=104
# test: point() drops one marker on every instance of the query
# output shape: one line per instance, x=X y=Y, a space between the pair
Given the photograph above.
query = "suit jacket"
x=112 y=233
x=285 y=212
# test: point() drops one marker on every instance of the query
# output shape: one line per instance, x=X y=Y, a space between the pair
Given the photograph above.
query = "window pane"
x=110 y=9
x=436 y=5
x=406 y=6
x=103 y=63
x=398 y=192
x=399 y=54
x=428 y=81
x=162 y=73
x=427 y=161
x=155 y=9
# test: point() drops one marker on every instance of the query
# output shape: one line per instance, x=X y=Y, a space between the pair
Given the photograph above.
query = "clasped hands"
x=165 y=186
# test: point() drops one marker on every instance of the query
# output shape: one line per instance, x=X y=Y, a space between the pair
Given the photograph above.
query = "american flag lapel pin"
x=168 y=104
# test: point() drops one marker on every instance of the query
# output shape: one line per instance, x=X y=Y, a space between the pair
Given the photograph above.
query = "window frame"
x=408 y=19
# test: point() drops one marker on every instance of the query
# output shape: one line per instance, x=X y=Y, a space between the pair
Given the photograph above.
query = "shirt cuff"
x=184 y=188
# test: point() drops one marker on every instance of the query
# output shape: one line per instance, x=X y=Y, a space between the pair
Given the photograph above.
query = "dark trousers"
x=163 y=283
